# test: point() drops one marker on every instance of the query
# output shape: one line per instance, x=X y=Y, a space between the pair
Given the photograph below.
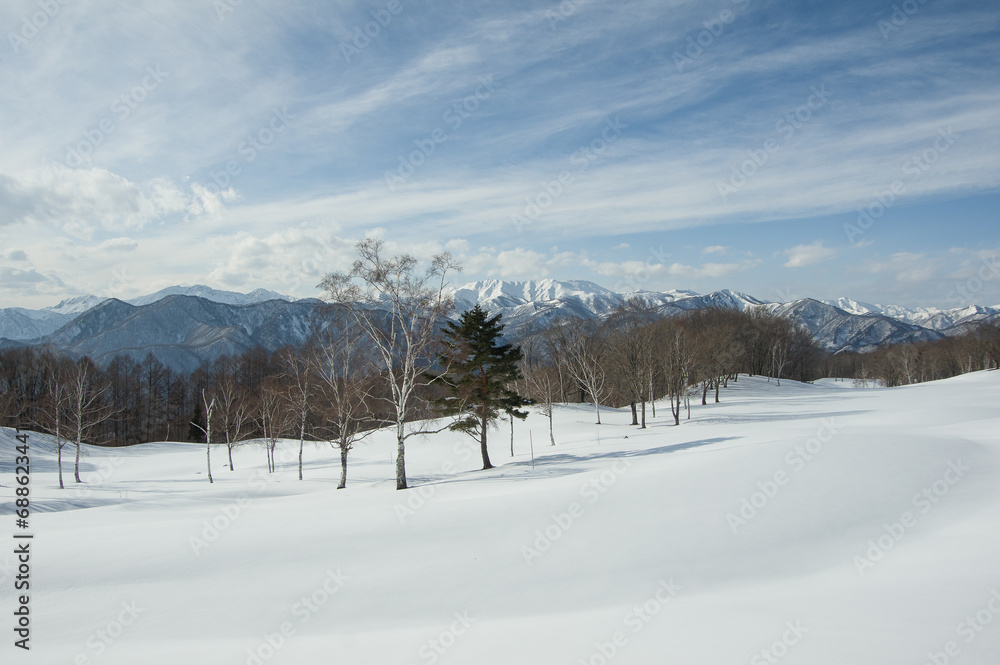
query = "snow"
x=933 y=318
x=208 y=293
x=440 y=573
x=77 y=305
x=500 y=293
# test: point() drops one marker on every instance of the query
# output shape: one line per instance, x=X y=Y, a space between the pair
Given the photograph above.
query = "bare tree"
x=207 y=429
x=344 y=370
x=541 y=377
x=299 y=395
x=54 y=410
x=399 y=308
x=273 y=419
x=675 y=356
x=630 y=352
x=232 y=404
x=581 y=345
x=87 y=404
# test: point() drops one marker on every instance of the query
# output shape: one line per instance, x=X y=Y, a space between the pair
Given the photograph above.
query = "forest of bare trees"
x=904 y=364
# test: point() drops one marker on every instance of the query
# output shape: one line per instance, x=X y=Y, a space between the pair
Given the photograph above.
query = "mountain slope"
x=17 y=323
x=183 y=331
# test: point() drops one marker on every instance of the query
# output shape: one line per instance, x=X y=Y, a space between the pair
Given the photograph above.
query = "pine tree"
x=479 y=377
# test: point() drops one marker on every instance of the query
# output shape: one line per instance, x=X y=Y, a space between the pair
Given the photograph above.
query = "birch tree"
x=87 y=405
x=209 y=402
x=399 y=307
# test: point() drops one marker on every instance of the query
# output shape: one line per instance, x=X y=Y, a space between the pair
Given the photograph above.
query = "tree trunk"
x=635 y=418
x=717 y=391
x=302 y=438
x=643 y=415
x=652 y=395
x=59 y=446
x=229 y=446
x=482 y=443
x=552 y=437
x=343 y=466
x=208 y=456
x=400 y=460
x=512 y=436
x=704 y=393
x=597 y=407
x=76 y=466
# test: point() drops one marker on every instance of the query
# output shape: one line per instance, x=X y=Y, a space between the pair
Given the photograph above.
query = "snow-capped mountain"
x=183 y=326
x=932 y=318
x=77 y=305
x=525 y=305
x=208 y=293
x=20 y=324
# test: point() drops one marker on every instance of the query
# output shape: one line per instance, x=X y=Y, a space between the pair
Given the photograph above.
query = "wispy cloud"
x=807 y=255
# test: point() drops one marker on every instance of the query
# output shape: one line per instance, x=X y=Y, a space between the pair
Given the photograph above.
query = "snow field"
x=793 y=524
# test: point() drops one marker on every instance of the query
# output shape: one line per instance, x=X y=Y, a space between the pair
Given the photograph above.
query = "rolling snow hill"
x=800 y=524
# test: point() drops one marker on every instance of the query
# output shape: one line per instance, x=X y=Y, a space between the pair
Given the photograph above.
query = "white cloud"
x=81 y=201
x=807 y=255
x=119 y=245
x=906 y=266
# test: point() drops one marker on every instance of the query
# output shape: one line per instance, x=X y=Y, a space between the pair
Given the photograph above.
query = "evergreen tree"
x=479 y=377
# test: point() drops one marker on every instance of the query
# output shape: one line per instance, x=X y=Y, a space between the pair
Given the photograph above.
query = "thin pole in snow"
x=531 y=442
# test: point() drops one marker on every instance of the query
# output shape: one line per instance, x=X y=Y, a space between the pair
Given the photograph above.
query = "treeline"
x=635 y=357
x=628 y=359
x=904 y=364
x=325 y=391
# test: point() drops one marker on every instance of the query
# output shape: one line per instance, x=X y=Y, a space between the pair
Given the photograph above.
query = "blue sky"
x=783 y=149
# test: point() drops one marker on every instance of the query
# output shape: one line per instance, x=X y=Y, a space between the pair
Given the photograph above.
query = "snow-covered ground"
x=793 y=524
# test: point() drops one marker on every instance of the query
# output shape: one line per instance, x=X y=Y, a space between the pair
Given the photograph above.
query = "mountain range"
x=183 y=326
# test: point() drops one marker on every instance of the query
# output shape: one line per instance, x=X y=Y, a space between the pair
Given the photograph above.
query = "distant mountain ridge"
x=184 y=326
x=20 y=324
